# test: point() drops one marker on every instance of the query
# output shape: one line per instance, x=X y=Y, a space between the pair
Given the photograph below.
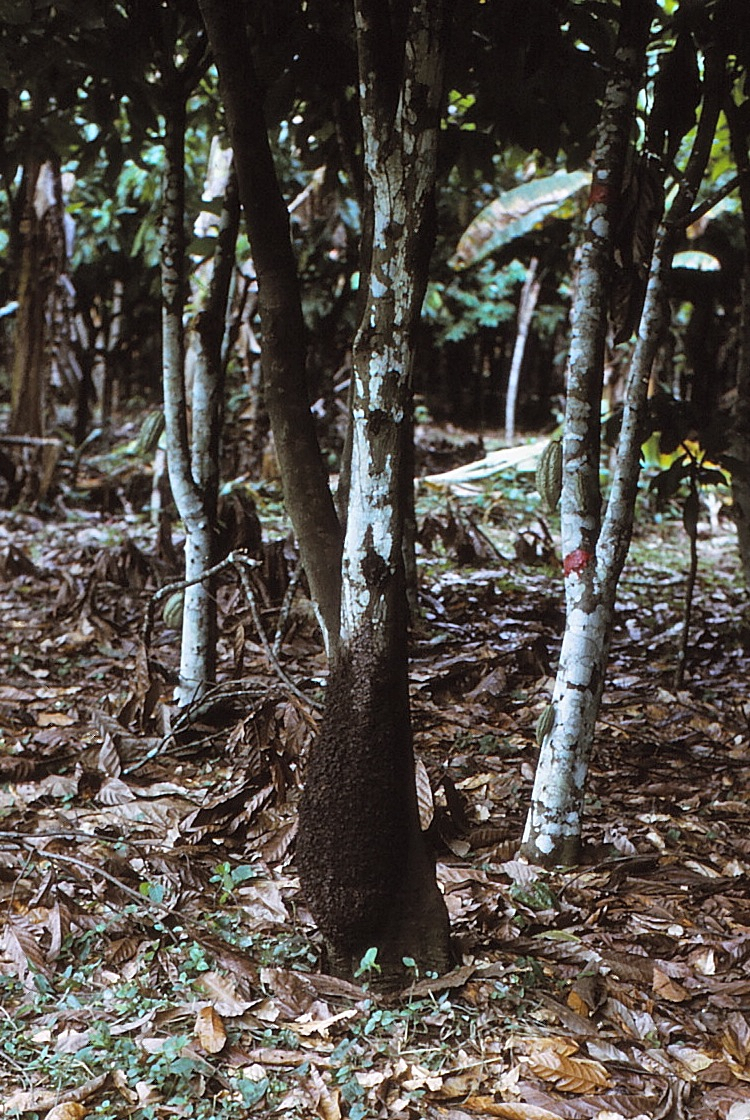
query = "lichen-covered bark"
x=594 y=552
x=363 y=862
x=199 y=631
x=553 y=825
x=194 y=493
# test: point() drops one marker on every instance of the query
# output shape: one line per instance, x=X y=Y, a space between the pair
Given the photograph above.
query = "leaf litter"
x=156 y=958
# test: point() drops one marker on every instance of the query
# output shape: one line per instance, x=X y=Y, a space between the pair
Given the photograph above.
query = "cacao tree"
x=365 y=869
x=612 y=274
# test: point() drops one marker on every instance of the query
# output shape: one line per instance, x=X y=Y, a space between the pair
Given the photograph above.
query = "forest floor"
x=155 y=958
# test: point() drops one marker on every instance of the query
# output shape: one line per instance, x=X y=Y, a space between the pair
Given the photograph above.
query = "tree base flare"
x=365 y=870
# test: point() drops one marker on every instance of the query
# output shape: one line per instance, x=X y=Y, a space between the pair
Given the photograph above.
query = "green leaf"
x=697 y=260
x=368 y=962
x=514 y=213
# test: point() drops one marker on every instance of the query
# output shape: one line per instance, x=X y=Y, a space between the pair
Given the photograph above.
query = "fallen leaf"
x=667 y=988
x=70 y=1111
x=209 y=1030
x=511 y=1111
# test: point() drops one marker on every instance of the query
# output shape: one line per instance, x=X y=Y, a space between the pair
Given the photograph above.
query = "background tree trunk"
x=526 y=307
x=40 y=266
x=194 y=484
x=740 y=445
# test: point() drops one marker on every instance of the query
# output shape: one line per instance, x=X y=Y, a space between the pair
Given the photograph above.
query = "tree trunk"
x=526 y=308
x=363 y=863
x=193 y=477
x=553 y=826
x=594 y=555
x=41 y=263
x=740 y=445
x=304 y=478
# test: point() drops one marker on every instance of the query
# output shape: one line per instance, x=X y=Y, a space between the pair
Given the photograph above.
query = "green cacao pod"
x=150 y=433
x=545 y=723
x=172 y=609
x=549 y=473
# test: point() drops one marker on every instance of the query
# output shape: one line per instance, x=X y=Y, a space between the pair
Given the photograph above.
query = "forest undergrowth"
x=155 y=957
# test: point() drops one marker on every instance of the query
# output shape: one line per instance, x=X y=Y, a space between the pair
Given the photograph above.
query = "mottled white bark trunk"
x=365 y=868
x=595 y=552
x=553 y=826
x=192 y=461
x=400 y=160
x=526 y=308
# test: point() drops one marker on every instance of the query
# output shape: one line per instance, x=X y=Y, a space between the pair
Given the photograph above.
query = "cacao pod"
x=150 y=433
x=544 y=724
x=172 y=609
x=549 y=473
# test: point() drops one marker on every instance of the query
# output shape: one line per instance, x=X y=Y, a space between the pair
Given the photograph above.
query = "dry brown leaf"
x=424 y=795
x=669 y=989
x=571 y=1075
x=223 y=994
x=511 y=1111
x=306 y=1025
x=23 y=949
x=109 y=761
x=327 y=1101
x=210 y=1030
x=69 y=1111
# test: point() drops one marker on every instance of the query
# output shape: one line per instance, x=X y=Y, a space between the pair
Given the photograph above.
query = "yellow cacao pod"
x=549 y=473
x=172 y=609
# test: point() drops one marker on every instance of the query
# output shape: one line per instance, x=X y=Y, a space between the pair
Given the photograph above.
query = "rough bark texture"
x=594 y=553
x=362 y=859
x=363 y=864
x=306 y=493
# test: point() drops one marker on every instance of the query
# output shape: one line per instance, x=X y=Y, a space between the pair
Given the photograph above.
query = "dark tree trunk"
x=304 y=479
x=740 y=446
x=41 y=263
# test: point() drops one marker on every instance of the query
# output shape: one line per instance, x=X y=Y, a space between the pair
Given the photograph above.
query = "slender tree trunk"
x=740 y=446
x=553 y=825
x=363 y=862
x=526 y=308
x=41 y=263
x=304 y=478
x=207 y=423
x=194 y=483
x=594 y=554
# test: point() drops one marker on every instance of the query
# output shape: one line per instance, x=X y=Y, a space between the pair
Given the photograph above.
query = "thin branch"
x=247 y=587
x=708 y=204
x=234 y=557
x=286 y=607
